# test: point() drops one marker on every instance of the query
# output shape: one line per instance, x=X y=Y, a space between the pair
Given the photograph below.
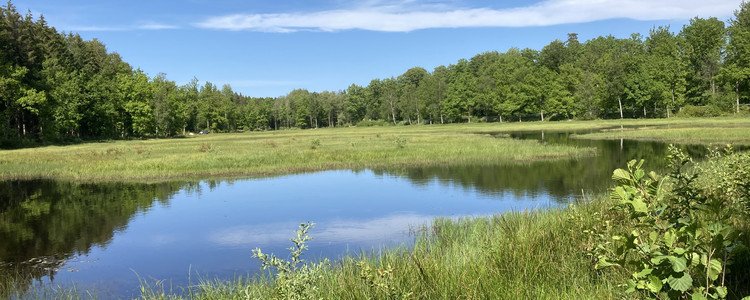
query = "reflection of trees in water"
x=560 y=179
x=43 y=223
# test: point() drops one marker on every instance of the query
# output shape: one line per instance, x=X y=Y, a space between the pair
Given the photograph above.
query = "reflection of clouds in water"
x=389 y=228
x=161 y=240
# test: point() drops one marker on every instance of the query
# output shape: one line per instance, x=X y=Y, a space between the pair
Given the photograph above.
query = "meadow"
x=257 y=154
x=513 y=255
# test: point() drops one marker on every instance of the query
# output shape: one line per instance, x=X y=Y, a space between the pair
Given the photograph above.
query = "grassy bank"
x=514 y=255
x=685 y=132
x=291 y=151
x=272 y=153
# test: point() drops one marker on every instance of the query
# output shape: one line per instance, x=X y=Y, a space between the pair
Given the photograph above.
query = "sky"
x=269 y=48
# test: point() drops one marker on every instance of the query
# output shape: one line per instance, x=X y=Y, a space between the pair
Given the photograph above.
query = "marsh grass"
x=256 y=154
x=726 y=131
x=274 y=153
x=514 y=255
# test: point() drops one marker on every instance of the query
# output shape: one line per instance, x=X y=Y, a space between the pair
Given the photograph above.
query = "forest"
x=57 y=87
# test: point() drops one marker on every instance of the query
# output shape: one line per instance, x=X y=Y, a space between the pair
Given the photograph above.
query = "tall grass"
x=514 y=255
x=291 y=151
x=271 y=153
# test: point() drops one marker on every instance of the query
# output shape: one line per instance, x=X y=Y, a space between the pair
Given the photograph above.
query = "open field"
x=686 y=133
x=273 y=153
x=255 y=154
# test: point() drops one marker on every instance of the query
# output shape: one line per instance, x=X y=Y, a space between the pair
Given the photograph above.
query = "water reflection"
x=45 y=224
x=563 y=180
x=107 y=231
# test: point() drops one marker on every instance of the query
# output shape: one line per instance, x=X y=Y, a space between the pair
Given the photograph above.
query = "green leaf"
x=619 y=194
x=603 y=263
x=679 y=264
x=722 y=291
x=681 y=284
x=653 y=235
x=679 y=251
x=695 y=259
x=620 y=175
x=657 y=260
x=654 y=285
x=714 y=269
x=639 y=205
x=670 y=238
x=698 y=296
x=638 y=174
x=643 y=273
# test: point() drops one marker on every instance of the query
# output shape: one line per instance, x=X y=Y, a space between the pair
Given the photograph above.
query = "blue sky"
x=268 y=48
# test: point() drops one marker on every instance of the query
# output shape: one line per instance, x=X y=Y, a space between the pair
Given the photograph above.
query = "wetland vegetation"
x=88 y=139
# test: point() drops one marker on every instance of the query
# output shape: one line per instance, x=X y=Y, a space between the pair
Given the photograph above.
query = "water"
x=107 y=236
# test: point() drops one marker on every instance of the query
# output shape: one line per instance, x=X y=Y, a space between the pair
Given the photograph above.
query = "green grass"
x=272 y=153
x=256 y=154
x=514 y=255
x=737 y=133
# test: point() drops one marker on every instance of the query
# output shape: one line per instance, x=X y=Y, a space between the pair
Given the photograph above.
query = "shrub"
x=679 y=239
x=294 y=279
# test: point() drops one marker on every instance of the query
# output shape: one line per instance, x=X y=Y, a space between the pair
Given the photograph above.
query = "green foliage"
x=678 y=239
x=381 y=281
x=294 y=279
x=400 y=142
x=315 y=144
x=57 y=87
x=701 y=111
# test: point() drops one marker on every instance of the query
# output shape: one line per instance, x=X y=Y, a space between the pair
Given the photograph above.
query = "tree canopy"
x=58 y=87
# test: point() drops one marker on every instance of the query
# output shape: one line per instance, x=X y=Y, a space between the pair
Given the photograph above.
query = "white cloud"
x=389 y=228
x=404 y=16
x=155 y=26
x=142 y=26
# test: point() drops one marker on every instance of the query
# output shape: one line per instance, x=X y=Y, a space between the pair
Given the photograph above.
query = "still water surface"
x=106 y=236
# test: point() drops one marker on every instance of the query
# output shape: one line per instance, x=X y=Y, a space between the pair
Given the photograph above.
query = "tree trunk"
x=393 y=114
x=441 y=119
x=672 y=102
x=737 y=94
x=500 y=117
x=619 y=101
x=713 y=86
x=417 y=106
x=644 y=111
x=541 y=113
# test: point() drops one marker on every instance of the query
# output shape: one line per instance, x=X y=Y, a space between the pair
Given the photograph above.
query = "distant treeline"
x=56 y=86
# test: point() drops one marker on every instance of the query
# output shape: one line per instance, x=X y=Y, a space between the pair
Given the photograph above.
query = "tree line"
x=56 y=86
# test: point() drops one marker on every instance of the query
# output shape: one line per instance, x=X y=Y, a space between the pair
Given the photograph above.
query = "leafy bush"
x=294 y=279
x=370 y=123
x=400 y=142
x=701 y=111
x=679 y=239
x=315 y=144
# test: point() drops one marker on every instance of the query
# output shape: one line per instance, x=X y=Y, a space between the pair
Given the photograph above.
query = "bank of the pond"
x=272 y=153
x=256 y=154
x=718 y=134
x=514 y=255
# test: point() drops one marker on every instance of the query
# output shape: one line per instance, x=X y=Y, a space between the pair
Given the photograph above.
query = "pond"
x=107 y=237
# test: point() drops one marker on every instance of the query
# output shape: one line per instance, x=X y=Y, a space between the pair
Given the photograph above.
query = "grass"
x=514 y=255
x=258 y=154
x=272 y=153
x=685 y=133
